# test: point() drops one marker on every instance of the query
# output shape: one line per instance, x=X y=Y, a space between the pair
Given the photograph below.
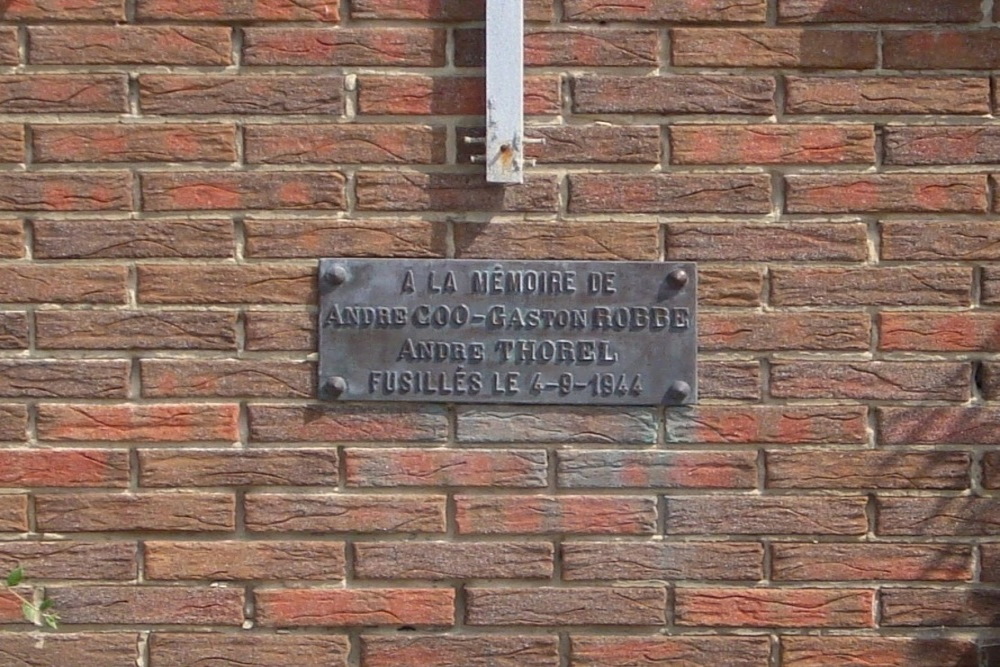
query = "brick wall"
x=171 y=170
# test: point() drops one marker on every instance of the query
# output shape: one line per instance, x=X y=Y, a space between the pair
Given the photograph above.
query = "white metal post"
x=505 y=91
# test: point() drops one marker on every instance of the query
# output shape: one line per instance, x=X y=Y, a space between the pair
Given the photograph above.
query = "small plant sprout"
x=35 y=613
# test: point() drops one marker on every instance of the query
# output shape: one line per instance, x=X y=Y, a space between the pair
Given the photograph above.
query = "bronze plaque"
x=488 y=331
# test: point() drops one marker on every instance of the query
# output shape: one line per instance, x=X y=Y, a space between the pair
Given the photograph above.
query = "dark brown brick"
x=864 y=562
x=669 y=193
x=934 y=607
x=441 y=467
x=645 y=561
x=729 y=379
x=890 y=95
x=172 y=94
x=675 y=94
x=237 y=10
x=133 y=143
x=71 y=560
x=131 y=239
x=566 y=606
x=990 y=560
x=671 y=470
x=135 y=329
x=878 y=380
x=865 y=651
x=889 y=286
x=335 y=513
x=941 y=49
x=607 y=651
x=395 y=191
x=271 y=330
x=773 y=47
x=925 y=517
x=775 y=608
x=291 y=608
x=938 y=425
x=458 y=651
x=775 y=424
x=991 y=470
x=367 y=238
x=166 y=378
x=65 y=191
x=580 y=144
x=443 y=560
x=128 y=45
x=936 y=145
x=728 y=241
x=13 y=513
x=347 y=47
x=557 y=240
x=784 y=331
x=54 y=378
x=584 y=515
x=63 y=93
x=11 y=143
x=142 y=423
x=64 y=468
x=867 y=470
x=13 y=330
x=192 y=283
x=94 y=512
x=350 y=144
x=159 y=605
x=8 y=46
x=199 y=191
x=936 y=240
x=11 y=239
x=593 y=47
x=750 y=515
x=332 y=423
x=730 y=286
x=897 y=193
x=694 y=11
x=13 y=421
x=991 y=286
x=858 y=11
x=562 y=425
x=168 y=649
x=178 y=468
x=97 y=648
x=241 y=560
x=47 y=284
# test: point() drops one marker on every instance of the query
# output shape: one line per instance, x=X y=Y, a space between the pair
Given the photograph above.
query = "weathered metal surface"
x=487 y=331
x=505 y=91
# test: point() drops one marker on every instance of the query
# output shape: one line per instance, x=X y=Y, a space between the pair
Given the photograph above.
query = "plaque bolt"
x=336 y=386
x=679 y=390
x=678 y=278
x=337 y=275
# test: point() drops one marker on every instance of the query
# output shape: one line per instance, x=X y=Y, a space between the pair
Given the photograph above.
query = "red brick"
x=352 y=238
x=606 y=651
x=9 y=46
x=176 y=468
x=827 y=651
x=95 y=512
x=938 y=425
x=556 y=240
x=891 y=95
x=889 y=286
x=864 y=562
x=11 y=240
x=990 y=561
x=560 y=47
x=945 y=332
x=784 y=331
x=238 y=10
x=13 y=330
x=729 y=379
x=172 y=94
x=168 y=378
x=730 y=286
x=899 y=193
x=347 y=47
x=443 y=560
x=888 y=11
x=159 y=605
x=226 y=283
x=333 y=423
x=694 y=11
x=645 y=561
x=269 y=330
x=63 y=468
x=674 y=94
x=727 y=241
x=11 y=143
x=63 y=93
x=669 y=193
x=442 y=467
x=775 y=608
x=941 y=49
x=55 y=191
x=441 y=10
x=458 y=651
x=11 y=607
x=342 y=513
x=47 y=284
x=926 y=517
x=71 y=560
x=63 y=648
x=874 y=381
x=757 y=515
x=579 y=144
x=935 y=240
x=583 y=515
x=644 y=605
x=409 y=95
x=406 y=191
x=132 y=239
x=143 y=423
x=53 y=378
x=135 y=329
x=240 y=560
x=292 y=608
x=930 y=607
x=13 y=421
x=13 y=513
x=133 y=143
x=774 y=47
x=175 y=191
x=352 y=144
x=772 y=144
x=557 y=425
x=127 y=45
x=73 y=10
x=261 y=650
x=774 y=424
x=867 y=470
x=672 y=470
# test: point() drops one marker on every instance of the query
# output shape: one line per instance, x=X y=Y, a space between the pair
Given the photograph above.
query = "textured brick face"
x=171 y=171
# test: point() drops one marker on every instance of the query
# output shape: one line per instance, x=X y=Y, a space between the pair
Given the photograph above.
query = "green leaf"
x=52 y=620
x=28 y=611
x=15 y=577
x=46 y=604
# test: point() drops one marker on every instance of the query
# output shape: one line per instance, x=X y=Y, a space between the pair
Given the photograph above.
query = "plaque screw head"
x=678 y=278
x=335 y=386
x=679 y=390
x=337 y=275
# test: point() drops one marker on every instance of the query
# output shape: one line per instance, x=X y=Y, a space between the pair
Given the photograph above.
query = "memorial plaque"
x=488 y=331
